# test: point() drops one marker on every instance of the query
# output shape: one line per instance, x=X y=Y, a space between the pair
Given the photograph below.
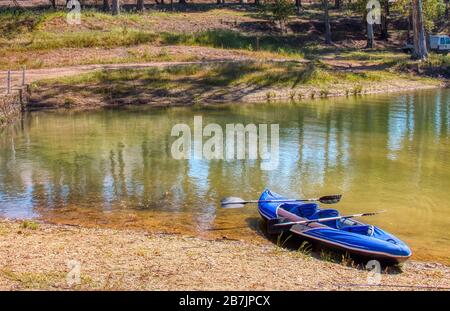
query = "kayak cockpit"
x=312 y=211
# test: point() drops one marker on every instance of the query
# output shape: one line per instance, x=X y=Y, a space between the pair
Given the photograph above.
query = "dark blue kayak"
x=345 y=234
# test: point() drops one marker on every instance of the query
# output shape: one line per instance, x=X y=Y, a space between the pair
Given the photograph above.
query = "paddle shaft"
x=272 y=201
x=323 y=219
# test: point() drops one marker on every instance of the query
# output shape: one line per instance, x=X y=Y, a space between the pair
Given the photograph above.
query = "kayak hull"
x=350 y=236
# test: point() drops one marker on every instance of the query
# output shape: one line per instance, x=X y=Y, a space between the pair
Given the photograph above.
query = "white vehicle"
x=440 y=43
x=437 y=43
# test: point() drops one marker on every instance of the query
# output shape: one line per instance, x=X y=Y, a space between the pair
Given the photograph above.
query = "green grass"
x=227 y=39
x=305 y=248
x=88 y=39
x=281 y=241
x=29 y=31
x=438 y=60
x=196 y=79
x=329 y=256
x=16 y=22
x=286 y=74
x=191 y=84
x=34 y=280
x=123 y=36
x=373 y=55
x=29 y=224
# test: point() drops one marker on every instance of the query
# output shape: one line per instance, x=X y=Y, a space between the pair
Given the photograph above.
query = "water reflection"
x=381 y=152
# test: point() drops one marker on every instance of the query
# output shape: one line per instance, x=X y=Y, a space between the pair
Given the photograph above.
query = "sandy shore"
x=46 y=256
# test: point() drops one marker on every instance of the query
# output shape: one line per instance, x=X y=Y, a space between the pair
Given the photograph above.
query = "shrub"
x=280 y=11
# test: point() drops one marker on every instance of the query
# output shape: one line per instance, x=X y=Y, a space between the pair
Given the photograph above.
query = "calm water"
x=114 y=168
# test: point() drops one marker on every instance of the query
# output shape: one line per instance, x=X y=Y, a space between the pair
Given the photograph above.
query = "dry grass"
x=134 y=260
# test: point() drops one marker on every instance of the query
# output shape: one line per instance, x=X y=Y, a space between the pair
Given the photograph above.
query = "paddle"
x=276 y=221
x=234 y=202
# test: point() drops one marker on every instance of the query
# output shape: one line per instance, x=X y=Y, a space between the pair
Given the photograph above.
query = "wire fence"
x=12 y=81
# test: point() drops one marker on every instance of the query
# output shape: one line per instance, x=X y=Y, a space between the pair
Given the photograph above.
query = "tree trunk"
x=182 y=1
x=115 y=10
x=384 y=20
x=447 y=8
x=298 y=6
x=327 y=22
x=337 y=4
x=53 y=3
x=140 y=5
x=408 y=34
x=420 y=45
x=106 y=7
x=369 y=35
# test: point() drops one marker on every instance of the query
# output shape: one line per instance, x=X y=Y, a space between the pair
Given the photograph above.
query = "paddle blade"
x=330 y=199
x=373 y=213
x=232 y=202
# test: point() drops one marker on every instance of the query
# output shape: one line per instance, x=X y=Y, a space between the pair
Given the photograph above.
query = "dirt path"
x=40 y=256
x=34 y=75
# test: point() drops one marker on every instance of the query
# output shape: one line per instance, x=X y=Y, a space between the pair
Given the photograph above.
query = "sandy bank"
x=37 y=257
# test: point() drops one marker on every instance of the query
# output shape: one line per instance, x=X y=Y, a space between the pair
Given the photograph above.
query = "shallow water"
x=114 y=167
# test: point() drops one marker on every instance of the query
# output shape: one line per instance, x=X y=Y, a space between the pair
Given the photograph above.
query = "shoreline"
x=37 y=255
x=131 y=87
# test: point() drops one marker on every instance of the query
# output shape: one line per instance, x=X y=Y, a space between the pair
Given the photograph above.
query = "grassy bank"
x=217 y=83
x=40 y=256
x=43 y=39
x=42 y=32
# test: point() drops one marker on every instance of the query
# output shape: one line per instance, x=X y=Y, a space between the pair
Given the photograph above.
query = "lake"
x=114 y=167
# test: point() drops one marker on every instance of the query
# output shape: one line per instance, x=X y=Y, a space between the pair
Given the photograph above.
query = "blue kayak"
x=346 y=234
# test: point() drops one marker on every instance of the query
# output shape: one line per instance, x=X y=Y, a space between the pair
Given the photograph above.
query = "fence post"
x=21 y=99
x=8 y=82
x=23 y=76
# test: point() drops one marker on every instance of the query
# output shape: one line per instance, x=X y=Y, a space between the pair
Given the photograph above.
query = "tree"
x=420 y=47
x=115 y=10
x=384 y=19
x=53 y=3
x=337 y=4
x=280 y=10
x=298 y=6
x=433 y=10
x=106 y=7
x=327 y=22
x=140 y=5
x=447 y=4
x=370 y=39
